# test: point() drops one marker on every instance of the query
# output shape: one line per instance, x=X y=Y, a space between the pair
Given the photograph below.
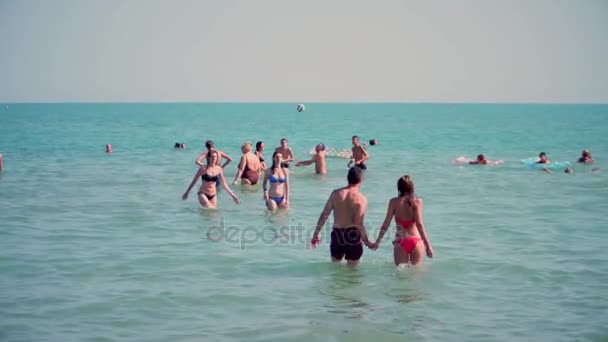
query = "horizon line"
x=310 y=102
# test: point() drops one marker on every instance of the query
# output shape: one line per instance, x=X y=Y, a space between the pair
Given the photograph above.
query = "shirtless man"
x=359 y=154
x=349 y=207
x=286 y=152
x=318 y=159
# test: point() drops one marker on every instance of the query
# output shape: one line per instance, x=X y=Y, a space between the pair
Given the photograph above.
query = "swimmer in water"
x=348 y=233
x=205 y=155
x=542 y=158
x=259 y=152
x=373 y=142
x=360 y=155
x=278 y=176
x=481 y=160
x=318 y=159
x=209 y=175
x=410 y=231
x=585 y=157
x=249 y=167
x=286 y=153
x=108 y=148
x=1 y=162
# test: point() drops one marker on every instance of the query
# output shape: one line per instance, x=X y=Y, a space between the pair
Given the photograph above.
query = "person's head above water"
x=585 y=157
x=209 y=144
x=373 y=142
x=481 y=157
x=405 y=186
x=543 y=157
x=246 y=147
x=568 y=170
x=355 y=176
x=276 y=159
x=214 y=158
x=109 y=148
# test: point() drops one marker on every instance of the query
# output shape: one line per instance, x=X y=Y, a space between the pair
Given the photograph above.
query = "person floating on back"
x=410 y=231
x=318 y=159
x=348 y=233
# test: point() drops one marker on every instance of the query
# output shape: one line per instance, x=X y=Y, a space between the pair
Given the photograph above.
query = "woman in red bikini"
x=407 y=210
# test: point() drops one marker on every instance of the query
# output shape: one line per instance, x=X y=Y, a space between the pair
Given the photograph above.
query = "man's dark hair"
x=354 y=175
x=209 y=144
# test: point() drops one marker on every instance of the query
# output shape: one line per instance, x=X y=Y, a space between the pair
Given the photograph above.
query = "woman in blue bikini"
x=277 y=196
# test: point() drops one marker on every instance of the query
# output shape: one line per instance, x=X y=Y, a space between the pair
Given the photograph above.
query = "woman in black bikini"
x=209 y=176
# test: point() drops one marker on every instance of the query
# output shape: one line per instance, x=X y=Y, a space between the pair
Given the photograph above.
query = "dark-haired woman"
x=407 y=210
x=277 y=196
x=259 y=152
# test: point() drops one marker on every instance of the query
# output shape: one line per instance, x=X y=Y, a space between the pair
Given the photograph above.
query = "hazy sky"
x=306 y=50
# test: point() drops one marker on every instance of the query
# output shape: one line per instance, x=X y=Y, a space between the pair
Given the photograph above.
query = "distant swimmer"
x=348 y=232
x=1 y=162
x=410 y=231
x=205 y=155
x=259 y=152
x=542 y=159
x=360 y=155
x=286 y=152
x=180 y=145
x=318 y=159
x=210 y=176
x=586 y=157
x=481 y=160
x=249 y=167
x=278 y=176
x=569 y=170
x=373 y=142
x=108 y=148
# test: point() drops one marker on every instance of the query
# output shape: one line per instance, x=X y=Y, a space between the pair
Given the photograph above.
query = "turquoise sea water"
x=97 y=247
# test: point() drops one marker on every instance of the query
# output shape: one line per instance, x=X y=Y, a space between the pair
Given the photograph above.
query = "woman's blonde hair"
x=247 y=146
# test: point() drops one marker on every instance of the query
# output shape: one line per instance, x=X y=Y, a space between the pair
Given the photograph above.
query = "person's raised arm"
x=199 y=160
x=390 y=212
x=329 y=206
x=421 y=229
x=241 y=169
x=306 y=162
x=227 y=157
x=194 y=180
x=227 y=188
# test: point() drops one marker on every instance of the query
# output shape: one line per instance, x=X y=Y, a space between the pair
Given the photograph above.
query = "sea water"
x=101 y=247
